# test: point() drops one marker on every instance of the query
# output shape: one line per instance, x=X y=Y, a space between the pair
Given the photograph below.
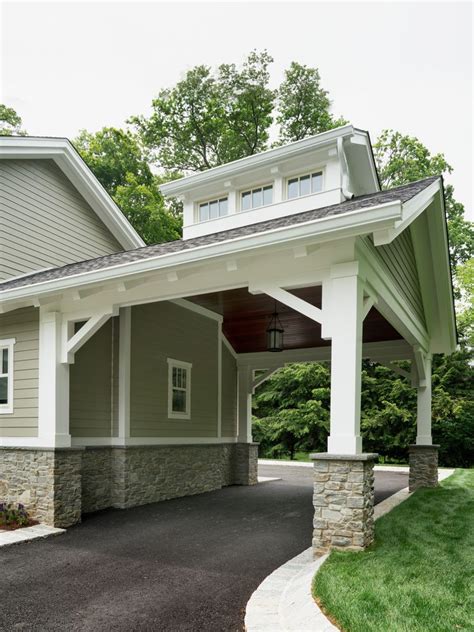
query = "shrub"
x=13 y=514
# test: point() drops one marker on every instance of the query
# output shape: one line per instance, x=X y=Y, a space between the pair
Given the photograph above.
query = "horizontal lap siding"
x=398 y=261
x=44 y=221
x=229 y=393
x=161 y=331
x=23 y=325
x=90 y=403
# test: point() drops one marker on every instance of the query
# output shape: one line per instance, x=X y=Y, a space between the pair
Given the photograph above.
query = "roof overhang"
x=63 y=153
x=356 y=137
x=350 y=224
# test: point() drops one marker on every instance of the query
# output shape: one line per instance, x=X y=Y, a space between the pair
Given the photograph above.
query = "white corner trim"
x=229 y=347
x=219 y=379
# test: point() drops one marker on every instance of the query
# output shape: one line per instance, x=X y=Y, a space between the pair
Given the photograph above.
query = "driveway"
x=184 y=564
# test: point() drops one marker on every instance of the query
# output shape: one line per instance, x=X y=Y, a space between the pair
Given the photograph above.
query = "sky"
x=67 y=66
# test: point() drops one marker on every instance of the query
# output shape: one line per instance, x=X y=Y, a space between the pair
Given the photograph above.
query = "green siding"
x=398 y=261
x=23 y=325
x=44 y=221
x=229 y=393
x=90 y=403
x=161 y=331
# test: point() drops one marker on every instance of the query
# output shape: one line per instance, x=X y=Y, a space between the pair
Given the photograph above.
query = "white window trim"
x=217 y=198
x=179 y=364
x=8 y=343
x=253 y=188
x=300 y=175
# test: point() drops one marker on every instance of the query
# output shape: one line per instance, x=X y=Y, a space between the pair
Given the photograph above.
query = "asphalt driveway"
x=184 y=564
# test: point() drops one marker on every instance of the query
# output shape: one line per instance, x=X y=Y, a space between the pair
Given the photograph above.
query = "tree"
x=10 y=122
x=120 y=164
x=113 y=154
x=402 y=159
x=303 y=105
x=210 y=118
x=291 y=410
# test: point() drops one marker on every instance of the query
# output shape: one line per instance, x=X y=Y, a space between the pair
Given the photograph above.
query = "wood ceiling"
x=247 y=316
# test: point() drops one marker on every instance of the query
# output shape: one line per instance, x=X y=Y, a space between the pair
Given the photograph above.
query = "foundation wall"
x=57 y=486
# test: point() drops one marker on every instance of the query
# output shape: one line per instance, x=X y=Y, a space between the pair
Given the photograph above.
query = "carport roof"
x=398 y=194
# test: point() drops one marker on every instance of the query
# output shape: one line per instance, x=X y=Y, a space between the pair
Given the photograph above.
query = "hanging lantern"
x=275 y=333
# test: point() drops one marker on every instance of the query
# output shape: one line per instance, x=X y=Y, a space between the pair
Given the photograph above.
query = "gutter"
x=345 y=180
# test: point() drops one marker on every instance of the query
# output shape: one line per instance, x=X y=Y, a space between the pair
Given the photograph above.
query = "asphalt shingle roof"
x=402 y=193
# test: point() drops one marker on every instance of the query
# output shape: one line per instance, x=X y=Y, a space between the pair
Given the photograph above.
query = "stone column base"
x=423 y=460
x=343 y=502
x=46 y=480
x=245 y=464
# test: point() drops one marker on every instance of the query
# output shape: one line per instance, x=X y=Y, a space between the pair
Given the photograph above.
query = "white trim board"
x=63 y=153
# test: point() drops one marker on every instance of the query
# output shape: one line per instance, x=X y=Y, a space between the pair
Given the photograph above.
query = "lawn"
x=418 y=576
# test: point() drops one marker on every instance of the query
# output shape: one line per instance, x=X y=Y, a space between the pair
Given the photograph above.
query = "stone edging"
x=284 y=602
x=27 y=534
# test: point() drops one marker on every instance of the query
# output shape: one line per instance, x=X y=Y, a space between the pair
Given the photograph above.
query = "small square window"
x=304 y=185
x=260 y=196
x=179 y=389
x=213 y=209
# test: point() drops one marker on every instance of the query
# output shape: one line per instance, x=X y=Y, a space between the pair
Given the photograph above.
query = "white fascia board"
x=270 y=156
x=410 y=211
x=75 y=169
x=353 y=223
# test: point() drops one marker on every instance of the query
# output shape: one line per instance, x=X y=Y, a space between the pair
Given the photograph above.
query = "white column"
x=232 y=202
x=53 y=387
x=125 y=348
x=346 y=357
x=423 y=419
x=245 y=404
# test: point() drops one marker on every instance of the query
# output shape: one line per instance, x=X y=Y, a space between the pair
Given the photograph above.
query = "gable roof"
x=352 y=209
x=64 y=154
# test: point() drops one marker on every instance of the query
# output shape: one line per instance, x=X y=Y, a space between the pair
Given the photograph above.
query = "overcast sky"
x=405 y=65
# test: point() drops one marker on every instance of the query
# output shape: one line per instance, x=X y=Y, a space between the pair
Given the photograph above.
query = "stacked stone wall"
x=58 y=485
x=46 y=481
x=343 y=502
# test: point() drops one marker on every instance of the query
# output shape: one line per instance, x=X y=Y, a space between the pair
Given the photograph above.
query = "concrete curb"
x=27 y=534
x=284 y=602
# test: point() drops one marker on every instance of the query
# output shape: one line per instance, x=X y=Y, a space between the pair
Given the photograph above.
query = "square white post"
x=423 y=418
x=53 y=396
x=245 y=404
x=125 y=347
x=346 y=318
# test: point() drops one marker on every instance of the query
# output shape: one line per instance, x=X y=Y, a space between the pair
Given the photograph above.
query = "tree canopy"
x=10 y=122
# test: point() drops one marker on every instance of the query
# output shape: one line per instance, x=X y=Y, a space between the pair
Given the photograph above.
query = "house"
x=127 y=370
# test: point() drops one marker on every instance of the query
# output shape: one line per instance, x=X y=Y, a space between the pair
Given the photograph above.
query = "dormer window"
x=304 y=185
x=212 y=209
x=261 y=196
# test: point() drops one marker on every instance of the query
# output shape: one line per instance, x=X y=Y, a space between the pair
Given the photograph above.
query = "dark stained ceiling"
x=247 y=316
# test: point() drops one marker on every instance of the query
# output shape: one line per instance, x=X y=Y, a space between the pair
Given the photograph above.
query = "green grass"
x=419 y=574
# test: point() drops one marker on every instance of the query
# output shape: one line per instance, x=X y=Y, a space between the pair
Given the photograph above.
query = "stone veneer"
x=423 y=460
x=58 y=485
x=343 y=502
x=46 y=481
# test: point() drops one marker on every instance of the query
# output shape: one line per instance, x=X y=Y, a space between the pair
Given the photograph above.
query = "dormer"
x=312 y=173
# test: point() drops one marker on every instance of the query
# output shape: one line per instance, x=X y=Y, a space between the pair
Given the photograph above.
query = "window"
x=212 y=209
x=304 y=185
x=6 y=376
x=256 y=197
x=179 y=389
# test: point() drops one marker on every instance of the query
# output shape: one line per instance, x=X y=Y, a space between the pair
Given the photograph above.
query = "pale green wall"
x=398 y=261
x=91 y=378
x=161 y=331
x=44 y=221
x=229 y=393
x=23 y=325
